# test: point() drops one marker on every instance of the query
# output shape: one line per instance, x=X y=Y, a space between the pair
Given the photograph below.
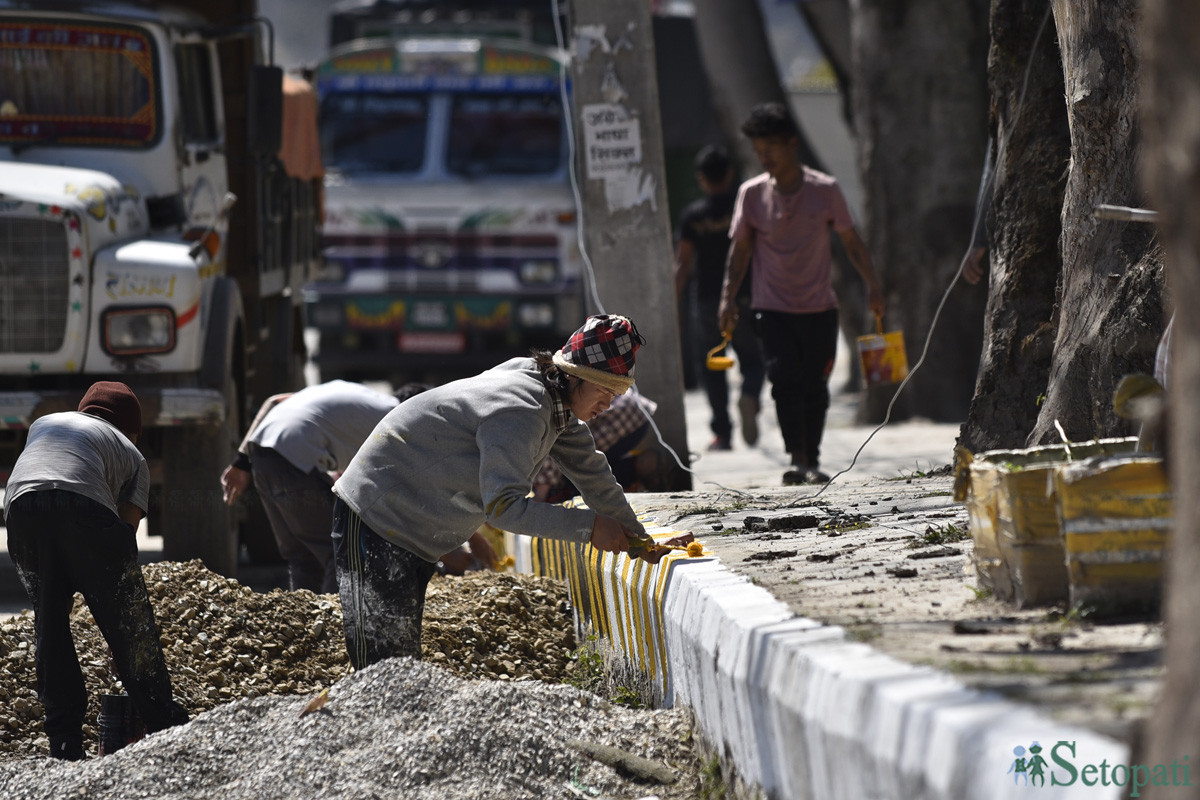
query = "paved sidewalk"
x=891 y=563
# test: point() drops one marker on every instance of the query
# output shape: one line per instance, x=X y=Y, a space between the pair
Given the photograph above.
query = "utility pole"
x=626 y=223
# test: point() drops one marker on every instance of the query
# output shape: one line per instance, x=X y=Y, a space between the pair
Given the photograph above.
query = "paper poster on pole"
x=612 y=140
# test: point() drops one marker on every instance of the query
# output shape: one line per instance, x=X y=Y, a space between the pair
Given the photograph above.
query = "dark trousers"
x=382 y=587
x=298 y=505
x=800 y=349
x=749 y=360
x=62 y=543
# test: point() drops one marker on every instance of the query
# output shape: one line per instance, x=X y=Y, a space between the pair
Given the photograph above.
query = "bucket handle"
x=725 y=337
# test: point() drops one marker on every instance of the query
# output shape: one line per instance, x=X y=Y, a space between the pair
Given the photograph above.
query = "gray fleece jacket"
x=449 y=459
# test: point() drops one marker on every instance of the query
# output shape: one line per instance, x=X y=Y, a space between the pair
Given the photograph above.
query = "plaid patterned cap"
x=602 y=351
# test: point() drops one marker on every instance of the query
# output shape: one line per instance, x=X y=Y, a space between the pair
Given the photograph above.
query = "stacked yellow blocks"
x=1083 y=524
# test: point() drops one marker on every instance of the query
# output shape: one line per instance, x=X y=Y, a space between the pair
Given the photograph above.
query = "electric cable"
x=589 y=268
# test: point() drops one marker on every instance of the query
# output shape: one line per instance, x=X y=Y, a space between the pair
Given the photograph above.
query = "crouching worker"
x=72 y=505
x=446 y=461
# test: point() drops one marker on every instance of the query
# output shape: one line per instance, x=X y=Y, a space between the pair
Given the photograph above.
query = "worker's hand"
x=234 y=482
x=482 y=550
x=652 y=552
x=875 y=300
x=727 y=315
x=609 y=535
x=972 y=269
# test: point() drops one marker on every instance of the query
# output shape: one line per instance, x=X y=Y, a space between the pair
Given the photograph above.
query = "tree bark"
x=920 y=114
x=1031 y=144
x=1172 y=176
x=1109 y=315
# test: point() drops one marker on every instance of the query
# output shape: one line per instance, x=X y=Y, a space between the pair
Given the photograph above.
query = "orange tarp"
x=301 y=148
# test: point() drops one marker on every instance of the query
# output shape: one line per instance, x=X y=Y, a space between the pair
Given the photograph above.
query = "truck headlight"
x=138 y=331
x=539 y=272
x=535 y=315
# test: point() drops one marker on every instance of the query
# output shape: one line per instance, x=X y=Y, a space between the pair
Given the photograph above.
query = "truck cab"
x=450 y=237
x=149 y=233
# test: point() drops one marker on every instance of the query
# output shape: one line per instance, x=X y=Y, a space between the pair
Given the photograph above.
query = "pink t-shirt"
x=791 y=257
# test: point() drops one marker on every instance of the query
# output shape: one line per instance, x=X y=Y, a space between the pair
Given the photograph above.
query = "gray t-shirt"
x=322 y=426
x=446 y=461
x=83 y=454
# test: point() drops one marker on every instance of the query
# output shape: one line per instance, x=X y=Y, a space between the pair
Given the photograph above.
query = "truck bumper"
x=161 y=406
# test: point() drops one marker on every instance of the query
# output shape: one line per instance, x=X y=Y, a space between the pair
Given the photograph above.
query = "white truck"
x=150 y=233
x=450 y=236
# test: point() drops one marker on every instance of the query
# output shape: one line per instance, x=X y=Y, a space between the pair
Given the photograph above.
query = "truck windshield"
x=505 y=134
x=373 y=132
x=67 y=83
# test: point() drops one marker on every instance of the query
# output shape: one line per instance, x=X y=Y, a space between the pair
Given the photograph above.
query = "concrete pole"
x=627 y=229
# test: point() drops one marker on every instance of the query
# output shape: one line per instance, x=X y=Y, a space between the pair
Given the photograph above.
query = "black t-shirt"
x=705 y=224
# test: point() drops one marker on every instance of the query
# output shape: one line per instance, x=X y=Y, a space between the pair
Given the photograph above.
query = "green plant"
x=712 y=782
x=865 y=633
x=940 y=535
x=602 y=670
x=981 y=593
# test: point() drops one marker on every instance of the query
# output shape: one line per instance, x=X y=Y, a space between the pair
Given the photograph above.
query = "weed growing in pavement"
x=598 y=668
x=712 y=510
x=981 y=593
x=940 y=535
x=946 y=493
x=865 y=633
x=712 y=782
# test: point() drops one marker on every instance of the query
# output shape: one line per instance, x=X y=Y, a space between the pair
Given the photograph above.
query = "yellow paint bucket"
x=882 y=355
x=718 y=363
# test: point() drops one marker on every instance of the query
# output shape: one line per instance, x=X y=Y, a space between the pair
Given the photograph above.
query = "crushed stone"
x=400 y=728
x=485 y=709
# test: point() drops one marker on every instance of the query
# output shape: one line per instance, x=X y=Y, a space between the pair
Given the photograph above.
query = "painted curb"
x=800 y=710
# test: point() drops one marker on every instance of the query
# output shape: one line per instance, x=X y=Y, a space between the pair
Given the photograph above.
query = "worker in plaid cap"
x=443 y=463
x=602 y=352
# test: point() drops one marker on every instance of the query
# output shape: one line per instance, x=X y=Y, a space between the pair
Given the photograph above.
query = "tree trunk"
x=920 y=113
x=1031 y=145
x=1110 y=300
x=1172 y=176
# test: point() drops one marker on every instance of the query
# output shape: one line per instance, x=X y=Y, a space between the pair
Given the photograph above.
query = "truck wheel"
x=196 y=521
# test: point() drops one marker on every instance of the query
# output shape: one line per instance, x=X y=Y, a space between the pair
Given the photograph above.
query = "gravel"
x=484 y=715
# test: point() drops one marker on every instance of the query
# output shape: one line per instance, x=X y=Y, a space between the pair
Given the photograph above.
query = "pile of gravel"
x=224 y=642
x=400 y=728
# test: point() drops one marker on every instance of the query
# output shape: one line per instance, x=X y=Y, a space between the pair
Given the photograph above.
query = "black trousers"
x=800 y=349
x=62 y=543
x=299 y=505
x=382 y=588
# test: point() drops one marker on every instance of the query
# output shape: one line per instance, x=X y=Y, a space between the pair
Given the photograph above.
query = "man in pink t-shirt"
x=781 y=224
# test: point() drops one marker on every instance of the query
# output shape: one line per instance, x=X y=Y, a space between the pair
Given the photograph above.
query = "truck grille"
x=34 y=283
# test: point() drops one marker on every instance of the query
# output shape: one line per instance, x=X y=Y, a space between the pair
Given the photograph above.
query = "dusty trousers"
x=62 y=543
x=382 y=588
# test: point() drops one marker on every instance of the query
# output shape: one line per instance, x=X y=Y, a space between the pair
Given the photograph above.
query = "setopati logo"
x=1065 y=767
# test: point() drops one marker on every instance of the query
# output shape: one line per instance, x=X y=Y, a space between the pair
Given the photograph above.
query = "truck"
x=150 y=233
x=451 y=237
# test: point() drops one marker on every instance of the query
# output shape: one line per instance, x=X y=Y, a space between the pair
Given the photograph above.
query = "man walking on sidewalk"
x=703 y=242
x=781 y=224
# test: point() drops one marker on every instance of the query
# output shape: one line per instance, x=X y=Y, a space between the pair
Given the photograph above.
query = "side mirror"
x=264 y=117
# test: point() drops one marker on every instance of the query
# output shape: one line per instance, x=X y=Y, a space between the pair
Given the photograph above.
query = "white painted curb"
x=799 y=710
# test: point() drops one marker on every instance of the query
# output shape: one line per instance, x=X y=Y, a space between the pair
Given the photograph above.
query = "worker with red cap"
x=71 y=506
x=454 y=457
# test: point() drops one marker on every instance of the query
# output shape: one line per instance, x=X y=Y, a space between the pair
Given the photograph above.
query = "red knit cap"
x=114 y=402
x=602 y=351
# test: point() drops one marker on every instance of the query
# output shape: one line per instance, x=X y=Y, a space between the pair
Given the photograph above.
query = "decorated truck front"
x=450 y=235
x=149 y=233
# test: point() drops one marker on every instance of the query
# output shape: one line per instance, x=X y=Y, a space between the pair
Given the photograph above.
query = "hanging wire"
x=980 y=203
